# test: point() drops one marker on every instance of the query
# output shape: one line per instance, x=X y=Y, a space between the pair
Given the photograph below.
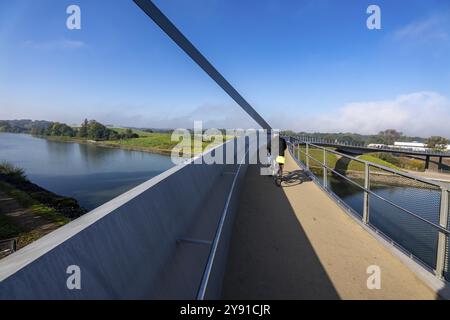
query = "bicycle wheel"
x=278 y=178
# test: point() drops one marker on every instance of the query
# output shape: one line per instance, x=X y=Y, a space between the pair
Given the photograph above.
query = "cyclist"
x=280 y=156
x=281 y=153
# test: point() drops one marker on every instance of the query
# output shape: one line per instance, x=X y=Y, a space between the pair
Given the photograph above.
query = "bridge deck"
x=296 y=243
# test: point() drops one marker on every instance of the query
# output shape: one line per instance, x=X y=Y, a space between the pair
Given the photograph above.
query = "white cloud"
x=55 y=45
x=420 y=113
x=433 y=28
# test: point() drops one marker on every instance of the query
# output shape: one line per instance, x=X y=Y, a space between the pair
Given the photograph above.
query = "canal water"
x=93 y=175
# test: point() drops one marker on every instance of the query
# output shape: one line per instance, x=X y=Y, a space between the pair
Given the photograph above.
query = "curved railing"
x=327 y=142
x=409 y=211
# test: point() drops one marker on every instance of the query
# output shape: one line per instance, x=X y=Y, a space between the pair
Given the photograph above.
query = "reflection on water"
x=92 y=175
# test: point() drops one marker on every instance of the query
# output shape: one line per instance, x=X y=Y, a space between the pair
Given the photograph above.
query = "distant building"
x=376 y=145
x=413 y=146
x=410 y=146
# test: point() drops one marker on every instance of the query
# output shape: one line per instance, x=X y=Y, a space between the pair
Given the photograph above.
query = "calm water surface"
x=92 y=175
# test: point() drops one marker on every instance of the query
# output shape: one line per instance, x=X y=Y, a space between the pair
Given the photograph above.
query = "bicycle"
x=277 y=174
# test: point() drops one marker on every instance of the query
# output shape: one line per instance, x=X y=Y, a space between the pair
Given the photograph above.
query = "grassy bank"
x=11 y=228
x=34 y=206
x=401 y=162
x=27 y=211
x=160 y=143
x=342 y=163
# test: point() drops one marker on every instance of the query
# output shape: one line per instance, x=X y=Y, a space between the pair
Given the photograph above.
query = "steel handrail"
x=215 y=244
x=410 y=150
x=436 y=226
x=379 y=166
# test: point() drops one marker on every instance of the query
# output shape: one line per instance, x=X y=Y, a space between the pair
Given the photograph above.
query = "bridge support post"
x=307 y=156
x=440 y=168
x=442 y=240
x=427 y=162
x=325 y=170
x=366 y=194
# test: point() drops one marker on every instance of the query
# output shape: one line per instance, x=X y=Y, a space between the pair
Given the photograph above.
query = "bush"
x=13 y=172
x=388 y=158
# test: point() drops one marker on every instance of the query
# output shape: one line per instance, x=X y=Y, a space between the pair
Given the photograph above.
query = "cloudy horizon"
x=422 y=114
x=323 y=74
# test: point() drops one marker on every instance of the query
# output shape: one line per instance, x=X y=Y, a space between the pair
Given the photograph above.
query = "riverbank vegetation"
x=88 y=130
x=27 y=211
x=401 y=162
x=92 y=131
x=343 y=163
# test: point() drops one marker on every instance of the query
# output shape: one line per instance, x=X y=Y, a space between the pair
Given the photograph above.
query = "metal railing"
x=202 y=293
x=7 y=247
x=411 y=212
x=328 y=142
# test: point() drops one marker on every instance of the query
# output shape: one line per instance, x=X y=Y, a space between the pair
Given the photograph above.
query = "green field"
x=155 y=142
x=342 y=163
x=158 y=142
x=152 y=141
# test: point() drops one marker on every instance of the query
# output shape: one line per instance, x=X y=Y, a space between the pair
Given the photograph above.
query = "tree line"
x=89 y=130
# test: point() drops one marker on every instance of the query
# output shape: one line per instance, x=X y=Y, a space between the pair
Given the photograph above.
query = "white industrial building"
x=413 y=146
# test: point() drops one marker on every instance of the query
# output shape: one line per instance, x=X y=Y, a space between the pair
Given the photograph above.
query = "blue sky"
x=304 y=65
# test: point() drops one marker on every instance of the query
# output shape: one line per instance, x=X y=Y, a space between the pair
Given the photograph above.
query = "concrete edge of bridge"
x=123 y=247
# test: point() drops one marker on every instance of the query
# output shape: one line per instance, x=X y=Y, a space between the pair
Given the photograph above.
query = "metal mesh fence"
x=348 y=192
x=419 y=197
x=301 y=153
x=447 y=245
x=350 y=167
x=412 y=234
x=404 y=209
x=316 y=160
x=396 y=194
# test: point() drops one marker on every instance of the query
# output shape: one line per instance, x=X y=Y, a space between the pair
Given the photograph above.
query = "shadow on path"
x=294 y=178
x=270 y=255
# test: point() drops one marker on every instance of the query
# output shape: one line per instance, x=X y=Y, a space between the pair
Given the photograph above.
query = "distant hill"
x=23 y=126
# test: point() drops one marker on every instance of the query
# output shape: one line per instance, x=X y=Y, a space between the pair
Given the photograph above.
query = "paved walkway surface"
x=296 y=243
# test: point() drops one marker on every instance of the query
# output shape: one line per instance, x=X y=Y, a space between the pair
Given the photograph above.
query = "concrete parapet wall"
x=130 y=247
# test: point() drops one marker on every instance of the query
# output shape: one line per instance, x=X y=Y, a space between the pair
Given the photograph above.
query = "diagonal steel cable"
x=172 y=31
